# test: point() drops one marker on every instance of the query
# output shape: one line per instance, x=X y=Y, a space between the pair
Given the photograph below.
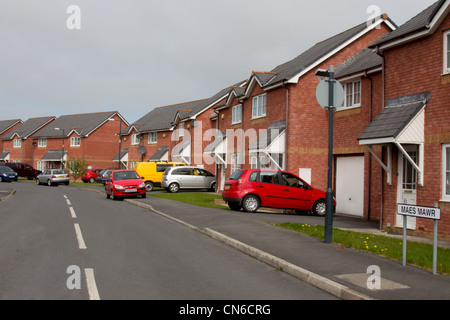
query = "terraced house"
x=5 y=127
x=92 y=137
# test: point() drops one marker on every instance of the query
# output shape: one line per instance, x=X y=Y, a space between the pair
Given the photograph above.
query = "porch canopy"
x=271 y=142
x=401 y=123
x=182 y=152
x=218 y=148
x=55 y=156
x=4 y=156
x=161 y=155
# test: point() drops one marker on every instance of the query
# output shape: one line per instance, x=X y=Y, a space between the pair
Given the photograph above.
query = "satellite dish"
x=141 y=150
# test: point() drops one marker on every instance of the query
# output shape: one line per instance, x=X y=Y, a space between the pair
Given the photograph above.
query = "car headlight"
x=142 y=185
x=118 y=187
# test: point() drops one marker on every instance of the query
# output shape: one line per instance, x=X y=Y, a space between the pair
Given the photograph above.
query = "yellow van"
x=152 y=172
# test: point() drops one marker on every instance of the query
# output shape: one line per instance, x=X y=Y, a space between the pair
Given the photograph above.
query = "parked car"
x=23 y=170
x=176 y=178
x=91 y=175
x=102 y=176
x=124 y=184
x=254 y=188
x=152 y=172
x=53 y=177
x=7 y=174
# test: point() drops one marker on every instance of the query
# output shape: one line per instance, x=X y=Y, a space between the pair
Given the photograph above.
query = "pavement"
x=343 y=272
x=340 y=271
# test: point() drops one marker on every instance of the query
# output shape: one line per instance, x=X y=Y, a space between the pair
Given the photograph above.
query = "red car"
x=124 y=184
x=254 y=188
x=91 y=175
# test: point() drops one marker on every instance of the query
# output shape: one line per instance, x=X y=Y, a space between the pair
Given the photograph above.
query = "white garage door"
x=350 y=185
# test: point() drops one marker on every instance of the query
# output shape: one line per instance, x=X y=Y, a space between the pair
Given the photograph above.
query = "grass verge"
x=418 y=254
x=194 y=198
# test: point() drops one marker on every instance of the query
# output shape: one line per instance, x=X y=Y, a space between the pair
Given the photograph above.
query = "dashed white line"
x=91 y=285
x=80 y=239
x=72 y=213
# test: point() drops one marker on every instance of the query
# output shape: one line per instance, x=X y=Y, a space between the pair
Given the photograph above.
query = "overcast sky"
x=134 y=55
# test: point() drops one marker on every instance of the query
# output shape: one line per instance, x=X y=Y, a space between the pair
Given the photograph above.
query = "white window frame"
x=259 y=107
x=152 y=138
x=446 y=52
x=354 y=96
x=75 y=141
x=135 y=140
x=181 y=130
x=237 y=114
x=445 y=171
x=17 y=143
x=235 y=162
x=42 y=143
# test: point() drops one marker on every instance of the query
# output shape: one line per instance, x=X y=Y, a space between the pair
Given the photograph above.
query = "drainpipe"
x=370 y=155
x=286 y=150
x=383 y=96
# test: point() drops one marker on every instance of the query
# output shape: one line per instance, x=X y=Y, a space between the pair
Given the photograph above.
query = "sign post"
x=406 y=211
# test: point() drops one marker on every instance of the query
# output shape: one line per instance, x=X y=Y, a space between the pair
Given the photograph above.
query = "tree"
x=78 y=168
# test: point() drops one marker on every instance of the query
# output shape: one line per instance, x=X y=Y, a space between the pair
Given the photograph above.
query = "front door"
x=407 y=183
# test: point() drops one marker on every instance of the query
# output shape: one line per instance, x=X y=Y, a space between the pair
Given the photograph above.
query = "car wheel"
x=107 y=196
x=1 y=179
x=320 y=208
x=213 y=187
x=235 y=206
x=37 y=181
x=49 y=183
x=174 y=187
x=91 y=180
x=251 y=203
x=149 y=186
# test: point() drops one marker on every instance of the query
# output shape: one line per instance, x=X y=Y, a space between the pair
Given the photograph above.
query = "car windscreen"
x=125 y=175
x=5 y=169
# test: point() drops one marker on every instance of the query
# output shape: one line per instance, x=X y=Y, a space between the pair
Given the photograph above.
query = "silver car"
x=52 y=177
x=176 y=178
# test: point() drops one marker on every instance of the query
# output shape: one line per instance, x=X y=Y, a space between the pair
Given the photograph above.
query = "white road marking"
x=80 y=239
x=91 y=285
x=72 y=213
x=65 y=197
x=68 y=202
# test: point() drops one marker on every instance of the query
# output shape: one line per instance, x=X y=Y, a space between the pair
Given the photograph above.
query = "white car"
x=176 y=178
x=53 y=177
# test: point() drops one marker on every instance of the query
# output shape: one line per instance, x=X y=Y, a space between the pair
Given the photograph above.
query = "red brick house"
x=401 y=131
x=92 y=137
x=281 y=107
x=19 y=141
x=5 y=127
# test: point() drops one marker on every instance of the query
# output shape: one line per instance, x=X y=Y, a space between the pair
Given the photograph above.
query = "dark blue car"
x=7 y=174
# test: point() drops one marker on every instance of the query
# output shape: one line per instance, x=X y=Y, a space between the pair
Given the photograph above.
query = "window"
x=17 y=143
x=235 y=162
x=152 y=138
x=75 y=141
x=237 y=114
x=447 y=52
x=181 y=130
x=268 y=177
x=259 y=106
x=290 y=180
x=446 y=172
x=135 y=139
x=42 y=143
x=352 y=94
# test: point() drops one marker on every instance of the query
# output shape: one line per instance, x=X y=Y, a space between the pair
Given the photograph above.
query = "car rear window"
x=236 y=175
x=59 y=172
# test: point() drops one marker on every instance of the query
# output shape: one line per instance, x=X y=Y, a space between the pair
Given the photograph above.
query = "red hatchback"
x=124 y=184
x=254 y=188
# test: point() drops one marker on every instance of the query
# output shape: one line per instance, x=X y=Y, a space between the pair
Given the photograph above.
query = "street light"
x=63 y=136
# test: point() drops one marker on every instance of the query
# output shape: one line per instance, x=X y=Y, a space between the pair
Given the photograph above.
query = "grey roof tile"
x=28 y=128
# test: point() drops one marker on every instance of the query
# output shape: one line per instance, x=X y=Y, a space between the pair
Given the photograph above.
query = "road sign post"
x=406 y=211
x=329 y=93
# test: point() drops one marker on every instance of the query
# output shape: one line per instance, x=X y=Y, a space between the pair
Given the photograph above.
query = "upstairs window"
x=447 y=52
x=152 y=138
x=237 y=114
x=259 y=106
x=42 y=143
x=135 y=139
x=75 y=141
x=17 y=143
x=352 y=94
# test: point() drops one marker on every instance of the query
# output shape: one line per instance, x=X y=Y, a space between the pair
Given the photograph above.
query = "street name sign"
x=419 y=212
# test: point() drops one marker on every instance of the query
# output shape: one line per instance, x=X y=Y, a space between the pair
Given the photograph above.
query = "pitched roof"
x=28 y=128
x=364 y=60
x=318 y=52
x=420 y=22
x=7 y=124
x=82 y=124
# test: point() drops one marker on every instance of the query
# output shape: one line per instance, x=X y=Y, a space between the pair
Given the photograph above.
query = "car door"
x=296 y=193
x=269 y=189
x=108 y=183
